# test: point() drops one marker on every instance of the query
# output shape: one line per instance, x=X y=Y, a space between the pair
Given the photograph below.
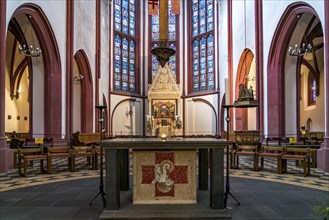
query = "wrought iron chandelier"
x=300 y=51
x=29 y=51
x=77 y=78
x=304 y=46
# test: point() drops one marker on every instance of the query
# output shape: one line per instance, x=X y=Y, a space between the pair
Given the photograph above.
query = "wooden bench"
x=90 y=148
x=30 y=154
x=247 y=144
x=298 y=154
x=59 y=152
x=313 y=151
x=83 y=151
x=28 y=143
x=89 y=138
x=271 y=152
x=314 y=137
x=276 y=140
x=15 y=135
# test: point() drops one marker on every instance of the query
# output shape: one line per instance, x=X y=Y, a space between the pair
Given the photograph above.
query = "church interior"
x=75 y=74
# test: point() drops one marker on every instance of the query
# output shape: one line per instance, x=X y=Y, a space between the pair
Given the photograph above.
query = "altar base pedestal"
x=200 y=210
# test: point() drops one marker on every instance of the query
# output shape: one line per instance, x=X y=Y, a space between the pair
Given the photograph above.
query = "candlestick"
x=100 y=91
x=227 y=92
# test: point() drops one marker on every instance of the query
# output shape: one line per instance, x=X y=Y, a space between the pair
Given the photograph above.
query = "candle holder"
x=163 y=54
x=101 y=182
x=227 y=186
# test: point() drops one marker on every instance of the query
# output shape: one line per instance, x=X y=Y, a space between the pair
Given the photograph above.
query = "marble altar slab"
x=164 y=177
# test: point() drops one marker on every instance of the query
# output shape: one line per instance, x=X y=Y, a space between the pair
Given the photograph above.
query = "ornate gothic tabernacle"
x=164 y=98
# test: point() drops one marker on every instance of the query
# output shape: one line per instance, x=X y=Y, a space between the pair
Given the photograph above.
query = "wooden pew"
x=33 y=149
x=312 y=137
x=271 y=152
x=85 y=145
x=247 y=144
x=301 y=154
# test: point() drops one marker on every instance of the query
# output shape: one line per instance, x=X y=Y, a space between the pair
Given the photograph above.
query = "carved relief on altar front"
x=165 y=177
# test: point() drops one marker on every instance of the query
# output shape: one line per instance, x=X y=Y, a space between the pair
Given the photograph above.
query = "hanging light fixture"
x=163 y=52
x=300 y=50
x=246 y=95
x=77 y=78
x=30 y=50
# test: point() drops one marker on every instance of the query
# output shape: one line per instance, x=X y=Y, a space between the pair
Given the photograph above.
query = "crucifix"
x=163 y=52
x=154 y=3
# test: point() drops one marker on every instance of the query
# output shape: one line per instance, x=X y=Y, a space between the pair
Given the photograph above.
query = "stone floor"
x=66 y=195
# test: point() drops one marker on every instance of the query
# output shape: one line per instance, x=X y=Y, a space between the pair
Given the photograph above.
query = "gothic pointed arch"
x=241 y=114
x=52 y=67
x=86 y=91
x=276 y=65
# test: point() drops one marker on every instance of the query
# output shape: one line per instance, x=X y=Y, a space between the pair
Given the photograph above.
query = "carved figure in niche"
x=242 y=91
x=149 y=120
x=251 y=92
x=178 y=121
x=245 y=93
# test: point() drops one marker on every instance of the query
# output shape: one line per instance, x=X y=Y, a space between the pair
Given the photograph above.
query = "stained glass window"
x=314 y=91
x=125 y=45
x=172 y=39
x=202 y=26
x=311 y=89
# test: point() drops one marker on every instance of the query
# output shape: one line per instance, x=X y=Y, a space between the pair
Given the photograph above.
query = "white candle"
x=227 y=92
x=100 y=91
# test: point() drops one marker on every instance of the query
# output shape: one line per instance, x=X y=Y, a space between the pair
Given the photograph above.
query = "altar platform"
x=209 y=201
x=201 y=210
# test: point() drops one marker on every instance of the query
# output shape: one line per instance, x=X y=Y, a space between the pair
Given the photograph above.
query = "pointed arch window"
x=125 y=45
x=173 y=40
x=202 y=44
x=311 y=89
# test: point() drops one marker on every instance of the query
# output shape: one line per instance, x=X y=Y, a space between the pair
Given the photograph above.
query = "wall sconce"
x=77 y=78
x=129 y=112
x=15 y=96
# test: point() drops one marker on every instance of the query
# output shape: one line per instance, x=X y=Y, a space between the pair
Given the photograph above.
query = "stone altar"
x=209 y=205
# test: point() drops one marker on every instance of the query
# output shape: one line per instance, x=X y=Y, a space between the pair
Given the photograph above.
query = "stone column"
x=323 y=152
x=5 y=152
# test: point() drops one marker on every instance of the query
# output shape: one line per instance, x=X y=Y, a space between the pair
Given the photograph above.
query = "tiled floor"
x=66 y=195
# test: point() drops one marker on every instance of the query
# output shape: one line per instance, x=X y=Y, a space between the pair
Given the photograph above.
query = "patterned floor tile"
x=294 y=176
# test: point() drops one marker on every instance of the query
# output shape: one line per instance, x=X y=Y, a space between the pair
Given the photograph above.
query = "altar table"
x=117 y=175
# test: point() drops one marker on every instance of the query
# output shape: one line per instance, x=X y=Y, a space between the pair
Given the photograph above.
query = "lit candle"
x=227 y=92
x=100 y=91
